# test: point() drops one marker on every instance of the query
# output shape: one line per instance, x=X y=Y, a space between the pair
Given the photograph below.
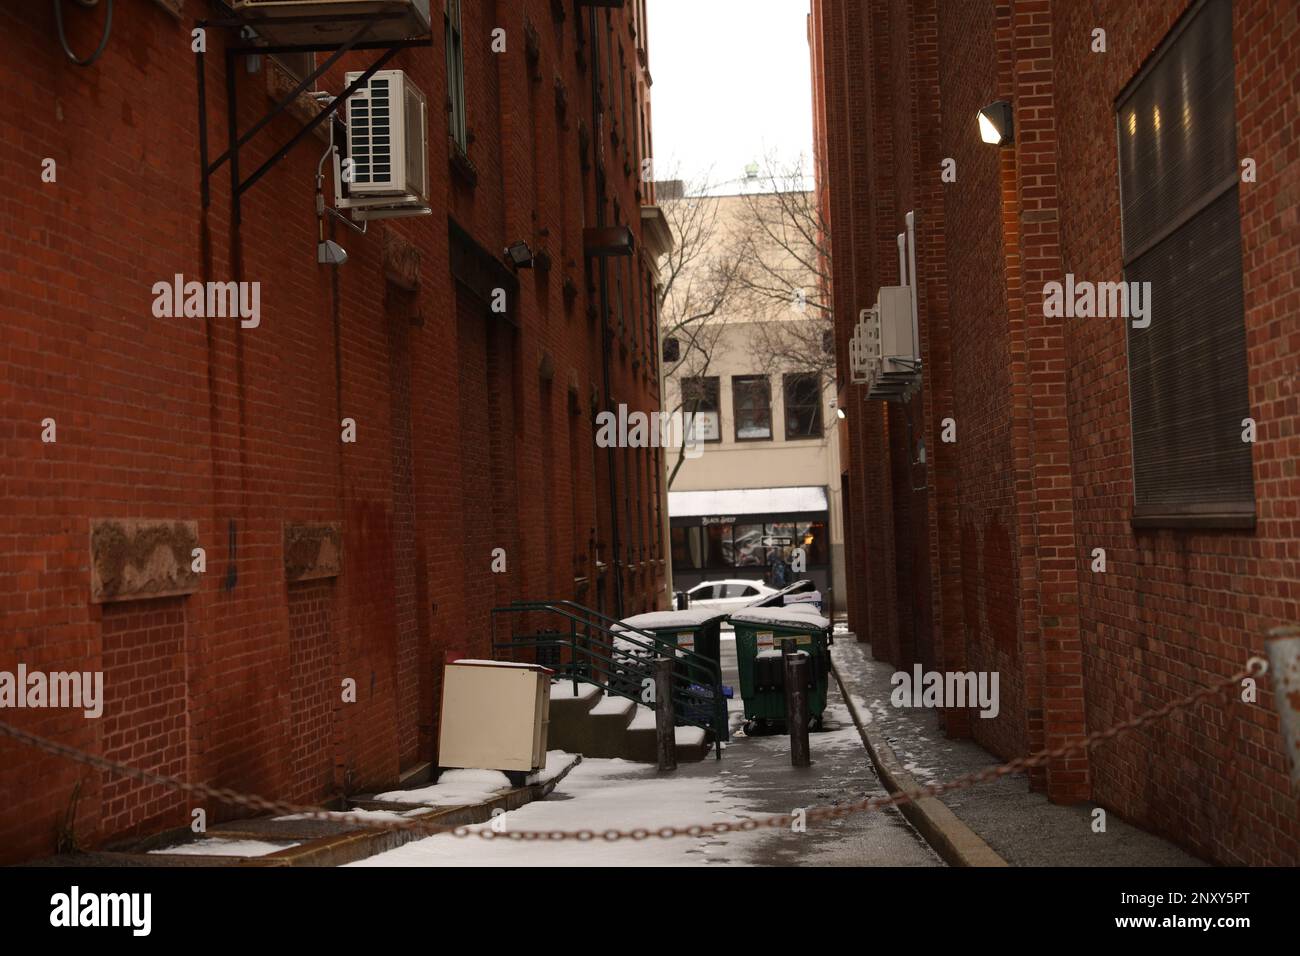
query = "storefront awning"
x=746 y=501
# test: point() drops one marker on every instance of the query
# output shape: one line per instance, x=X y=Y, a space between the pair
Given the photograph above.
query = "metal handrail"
x=622 y=674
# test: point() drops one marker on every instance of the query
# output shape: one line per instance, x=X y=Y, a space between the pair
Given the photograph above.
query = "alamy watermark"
x=946 y=689
x=626 y=429
x=78 y=690
x=1098 y=300
x=208 y=300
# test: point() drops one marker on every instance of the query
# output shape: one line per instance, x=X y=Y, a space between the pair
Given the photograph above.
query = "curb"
x=358 y=845
x=333 y=850
x=953 y=840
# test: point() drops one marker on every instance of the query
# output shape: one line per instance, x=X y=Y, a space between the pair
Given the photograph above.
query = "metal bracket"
x=235 y=140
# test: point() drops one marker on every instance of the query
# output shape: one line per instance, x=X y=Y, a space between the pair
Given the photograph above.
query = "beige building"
x=765 y=484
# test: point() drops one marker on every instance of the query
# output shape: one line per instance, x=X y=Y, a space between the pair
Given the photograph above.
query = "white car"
x=729 y=595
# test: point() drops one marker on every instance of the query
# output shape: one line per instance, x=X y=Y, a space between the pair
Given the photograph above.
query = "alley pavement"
x=1023 y=827
x=754 y=778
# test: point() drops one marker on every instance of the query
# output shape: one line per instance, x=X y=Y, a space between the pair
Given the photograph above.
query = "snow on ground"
x=454 y=788
x=217 y=846
x=368 y=814
x=458 y=787
x=557 y=761
x=597 y=794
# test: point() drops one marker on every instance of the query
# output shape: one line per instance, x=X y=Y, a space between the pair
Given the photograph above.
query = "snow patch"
x=219 y=846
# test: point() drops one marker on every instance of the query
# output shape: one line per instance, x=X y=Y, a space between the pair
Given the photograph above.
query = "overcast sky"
x=731 y=83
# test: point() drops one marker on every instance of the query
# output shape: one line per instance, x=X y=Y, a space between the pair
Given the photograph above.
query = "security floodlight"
x=330 y=253
x=520 y=256
x=839 y=413
x=996 y=125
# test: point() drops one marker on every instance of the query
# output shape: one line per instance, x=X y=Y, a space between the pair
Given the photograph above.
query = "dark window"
x=455 y=73
x=803 y=405
x=752 y=397
x=1188 y=388
x=701 y=411
x=828 y=341
x=749 y=591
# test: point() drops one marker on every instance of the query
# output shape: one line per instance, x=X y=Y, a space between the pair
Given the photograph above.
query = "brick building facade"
x=981 y=553
x=326 y=560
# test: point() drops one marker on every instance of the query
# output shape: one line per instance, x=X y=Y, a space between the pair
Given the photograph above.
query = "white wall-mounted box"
x=494 y=715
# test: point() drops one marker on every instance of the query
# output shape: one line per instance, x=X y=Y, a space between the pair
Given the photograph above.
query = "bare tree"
x=698 y=283
x=783 y=272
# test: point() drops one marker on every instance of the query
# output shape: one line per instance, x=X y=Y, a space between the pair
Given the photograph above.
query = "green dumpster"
x=760 y=632
x=698 y=631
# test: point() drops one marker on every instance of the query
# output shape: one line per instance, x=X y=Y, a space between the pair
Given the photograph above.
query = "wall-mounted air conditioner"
x=892 y=344
x=322 y=22
x=384 y=173
x=864 y=357
x=898 y=351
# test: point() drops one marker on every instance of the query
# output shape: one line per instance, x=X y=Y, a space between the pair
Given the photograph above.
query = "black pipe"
x=606 y=333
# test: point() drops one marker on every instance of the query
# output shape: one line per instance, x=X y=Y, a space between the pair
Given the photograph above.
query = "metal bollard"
x=796 y=707
x=1283 y=649
x=665 y=729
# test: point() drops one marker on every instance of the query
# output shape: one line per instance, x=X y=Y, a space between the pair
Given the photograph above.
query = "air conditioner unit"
x=891 y=347
x=898 y=351
x=323 y=22
x=387 y=150
x=864 y=354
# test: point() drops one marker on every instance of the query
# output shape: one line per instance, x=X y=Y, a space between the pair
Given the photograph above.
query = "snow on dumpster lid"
x=783 y=616
x=659 y=620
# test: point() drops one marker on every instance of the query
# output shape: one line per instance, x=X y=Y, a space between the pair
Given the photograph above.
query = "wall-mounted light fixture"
x=996 y=125
x=520 y=255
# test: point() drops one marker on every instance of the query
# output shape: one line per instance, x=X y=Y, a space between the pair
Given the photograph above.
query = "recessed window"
x=1178 y=177
x=457 y=124
x=672 y=349
x=751 y=397
x=803 y=405
x=701 y=408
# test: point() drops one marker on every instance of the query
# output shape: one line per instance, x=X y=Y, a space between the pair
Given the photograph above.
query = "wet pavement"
x=1025 y=828
x=756 y=772
x=754 y=778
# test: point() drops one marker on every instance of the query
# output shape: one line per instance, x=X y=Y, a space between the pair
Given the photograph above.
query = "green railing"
x=589 y=648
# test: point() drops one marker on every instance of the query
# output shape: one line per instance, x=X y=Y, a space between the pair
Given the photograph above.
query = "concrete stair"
x=595 y=725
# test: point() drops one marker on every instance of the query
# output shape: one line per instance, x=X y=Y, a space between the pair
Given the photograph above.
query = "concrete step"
x=642 y=742
x=597 y=725
x=569 y=715
x=597 y=732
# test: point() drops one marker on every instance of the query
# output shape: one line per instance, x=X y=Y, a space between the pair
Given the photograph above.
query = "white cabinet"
x=494 y=715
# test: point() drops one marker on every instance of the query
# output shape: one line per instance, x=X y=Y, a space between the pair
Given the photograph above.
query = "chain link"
x=1255 y=667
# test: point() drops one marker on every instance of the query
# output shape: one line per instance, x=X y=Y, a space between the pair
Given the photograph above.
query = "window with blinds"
x=1188 y=387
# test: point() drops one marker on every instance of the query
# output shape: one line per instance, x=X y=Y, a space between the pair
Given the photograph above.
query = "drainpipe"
x=606 y=335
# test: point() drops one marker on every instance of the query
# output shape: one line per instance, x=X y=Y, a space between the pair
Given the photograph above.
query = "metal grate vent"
x=370 y=139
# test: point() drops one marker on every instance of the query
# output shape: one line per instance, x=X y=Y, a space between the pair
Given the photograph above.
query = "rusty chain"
x=1255 y=667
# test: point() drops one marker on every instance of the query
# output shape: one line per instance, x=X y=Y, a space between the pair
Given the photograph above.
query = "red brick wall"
x=239 y=429
x=144 y=722
x=1041 y=472
x=315 y=690
x=1176 y=608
